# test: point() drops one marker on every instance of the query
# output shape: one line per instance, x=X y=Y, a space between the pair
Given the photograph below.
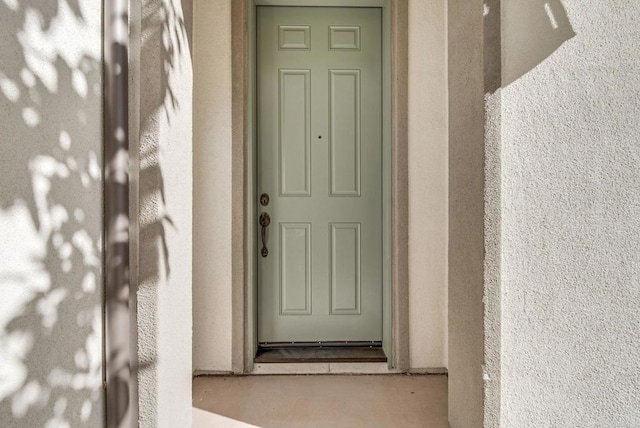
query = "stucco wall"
x=164 y=277
x=570 y=214
x=428 y=183
x=212 y=185
x=51 y=214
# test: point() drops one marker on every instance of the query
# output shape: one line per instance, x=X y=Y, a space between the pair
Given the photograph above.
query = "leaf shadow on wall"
x=537 y=28
x=164 y=42
x=164 y=38
x=51 y=203
x=50 y=214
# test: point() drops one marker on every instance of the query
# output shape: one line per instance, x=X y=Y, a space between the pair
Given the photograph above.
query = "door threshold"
x=322 y=353
x=322 y=369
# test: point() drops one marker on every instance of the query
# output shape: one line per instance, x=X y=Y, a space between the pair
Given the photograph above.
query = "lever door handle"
x=265 y=221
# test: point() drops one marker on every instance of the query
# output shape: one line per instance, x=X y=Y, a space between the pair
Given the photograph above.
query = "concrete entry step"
x=322 y=401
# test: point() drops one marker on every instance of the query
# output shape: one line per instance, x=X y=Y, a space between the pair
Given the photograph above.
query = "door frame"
x=395 y=178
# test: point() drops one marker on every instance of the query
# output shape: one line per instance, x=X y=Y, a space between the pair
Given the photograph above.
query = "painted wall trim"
x=400 y=181
x=466 y=251
x=387 y=194
x=243 y=162
x=240 y=171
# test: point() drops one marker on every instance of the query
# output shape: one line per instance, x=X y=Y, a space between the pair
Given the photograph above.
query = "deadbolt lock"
x=264 y=199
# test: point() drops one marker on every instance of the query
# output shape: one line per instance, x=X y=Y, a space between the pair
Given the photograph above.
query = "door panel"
x=320 y=161
x=295 y=268
x=295 y=132
x=345 y=268
x=344 y=125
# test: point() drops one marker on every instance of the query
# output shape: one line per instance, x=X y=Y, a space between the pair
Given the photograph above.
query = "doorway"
x=319 y=177
x=247 y=245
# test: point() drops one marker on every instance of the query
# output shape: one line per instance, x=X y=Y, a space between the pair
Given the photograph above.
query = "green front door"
x=320 y=163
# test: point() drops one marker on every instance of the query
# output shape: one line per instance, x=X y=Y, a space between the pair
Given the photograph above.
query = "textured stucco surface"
x=212 y=344
x=212 y=240
x=165 y=215
x=466 y=212
x=51 y=214
x=492 y=67
x=571 y=215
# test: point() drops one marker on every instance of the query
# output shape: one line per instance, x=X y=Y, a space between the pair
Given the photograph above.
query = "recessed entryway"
x=225 y=268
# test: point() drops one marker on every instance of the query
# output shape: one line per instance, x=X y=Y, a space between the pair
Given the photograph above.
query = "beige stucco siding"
x=212 y=208
x=570 y=214
x=162 y=85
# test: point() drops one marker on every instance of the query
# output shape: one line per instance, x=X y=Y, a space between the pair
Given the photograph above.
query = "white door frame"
x=395 y=178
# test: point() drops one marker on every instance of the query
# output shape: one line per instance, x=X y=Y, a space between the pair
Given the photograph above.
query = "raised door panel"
x=344 y=122
x=345 y=268
x=344 y=37
x=294 y=37
x=295 y=268
x=295 y=132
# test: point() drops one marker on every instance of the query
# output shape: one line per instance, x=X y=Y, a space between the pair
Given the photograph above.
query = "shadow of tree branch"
x=51 y=202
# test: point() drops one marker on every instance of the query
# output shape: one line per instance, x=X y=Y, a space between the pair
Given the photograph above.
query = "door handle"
x=265 y=221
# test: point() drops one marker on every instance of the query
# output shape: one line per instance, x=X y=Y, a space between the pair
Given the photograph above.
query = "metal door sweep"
x=334 y=344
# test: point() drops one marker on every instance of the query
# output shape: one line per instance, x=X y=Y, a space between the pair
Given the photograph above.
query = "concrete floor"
x=321 y=401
